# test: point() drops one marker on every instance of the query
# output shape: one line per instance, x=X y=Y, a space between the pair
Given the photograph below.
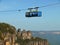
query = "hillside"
x=4 y=28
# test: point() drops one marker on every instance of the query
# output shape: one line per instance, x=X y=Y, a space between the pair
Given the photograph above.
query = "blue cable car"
x=35 y=13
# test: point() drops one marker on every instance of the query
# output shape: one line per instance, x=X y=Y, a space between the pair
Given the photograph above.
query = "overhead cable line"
x=32 y=8
x=9 y=10
x=49 y=5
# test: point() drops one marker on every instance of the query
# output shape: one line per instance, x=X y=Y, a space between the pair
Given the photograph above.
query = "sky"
x=50 y=20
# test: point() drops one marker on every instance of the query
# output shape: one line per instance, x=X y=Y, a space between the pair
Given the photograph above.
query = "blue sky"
x=49 y=21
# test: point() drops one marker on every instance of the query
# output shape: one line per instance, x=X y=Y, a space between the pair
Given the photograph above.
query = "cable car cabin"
x=33 y=14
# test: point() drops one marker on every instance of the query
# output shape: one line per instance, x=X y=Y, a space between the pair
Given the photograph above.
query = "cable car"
x=35 y=13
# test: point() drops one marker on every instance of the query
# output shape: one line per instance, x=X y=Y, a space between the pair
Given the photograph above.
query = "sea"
x=53 y=37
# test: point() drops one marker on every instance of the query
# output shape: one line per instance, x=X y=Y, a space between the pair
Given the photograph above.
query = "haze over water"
x=53 y=37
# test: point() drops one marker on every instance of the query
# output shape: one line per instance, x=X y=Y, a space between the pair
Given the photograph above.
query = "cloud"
x=56 y=32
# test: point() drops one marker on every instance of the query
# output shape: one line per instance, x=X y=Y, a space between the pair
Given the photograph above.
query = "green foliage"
x=4 y=27
x=36 y=39
x=0 y=35
x=25 y=41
